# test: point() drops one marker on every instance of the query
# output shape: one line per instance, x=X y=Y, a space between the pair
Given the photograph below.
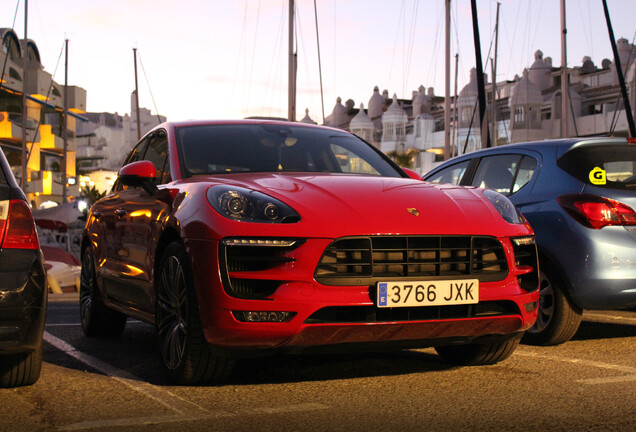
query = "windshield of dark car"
x=611 y=166
x=235 y=148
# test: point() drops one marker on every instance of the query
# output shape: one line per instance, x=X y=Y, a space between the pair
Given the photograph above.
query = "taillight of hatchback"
x=17 y=229
x=597 y=212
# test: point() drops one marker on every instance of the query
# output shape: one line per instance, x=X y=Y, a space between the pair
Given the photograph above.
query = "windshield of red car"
x=235 y=148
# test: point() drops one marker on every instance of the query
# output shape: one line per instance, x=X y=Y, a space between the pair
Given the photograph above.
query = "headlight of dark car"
x=504 y=206
x=247 y=205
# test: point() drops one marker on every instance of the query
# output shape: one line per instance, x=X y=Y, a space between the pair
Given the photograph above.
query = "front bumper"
x=513 y=309
x=23 y=297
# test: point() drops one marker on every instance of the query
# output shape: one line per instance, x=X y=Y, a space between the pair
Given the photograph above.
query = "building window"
x=50 y=162
x=14 y=74
x=519 y=116
x=466 y=116
x=390 y=130
x=10 y=46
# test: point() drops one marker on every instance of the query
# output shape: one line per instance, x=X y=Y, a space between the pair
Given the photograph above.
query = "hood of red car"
x=338 y=204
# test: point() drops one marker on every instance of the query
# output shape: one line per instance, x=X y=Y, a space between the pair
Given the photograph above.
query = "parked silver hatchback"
x=579 y=195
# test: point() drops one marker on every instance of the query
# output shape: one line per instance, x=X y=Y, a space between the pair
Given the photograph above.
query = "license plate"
x=428 y=293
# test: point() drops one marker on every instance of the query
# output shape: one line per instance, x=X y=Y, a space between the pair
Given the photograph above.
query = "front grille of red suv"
x=365 y=260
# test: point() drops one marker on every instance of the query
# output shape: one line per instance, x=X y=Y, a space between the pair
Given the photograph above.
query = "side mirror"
x=140 y=173
x=412 y=173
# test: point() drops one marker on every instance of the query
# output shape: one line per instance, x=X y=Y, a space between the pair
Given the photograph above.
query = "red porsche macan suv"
x=239 y=237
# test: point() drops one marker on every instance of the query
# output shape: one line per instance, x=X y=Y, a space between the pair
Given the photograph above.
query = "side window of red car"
x=157 y=153
x=135 y=154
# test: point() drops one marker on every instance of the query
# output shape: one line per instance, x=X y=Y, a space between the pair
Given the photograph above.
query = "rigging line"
x=576 y=129
x=48 y=93
x=454 y=23
x=149 y=89
x=4 y=66
x=514 y=36
x=470 y=126
x=270 y=88
x=411 y=43
x=240 y=50
x=589 y=30
x=322 y=100
x=632 y=52
x=249 y=82
x=526 y=37
x=436 y=46
x=300 y=36
x=335 y=60
x=395 y=42
x=492 y=42
x=619 y=105
x=280 y=72
x=534 y=38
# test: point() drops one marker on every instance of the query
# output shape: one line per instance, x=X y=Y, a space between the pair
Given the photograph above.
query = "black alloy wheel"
x=97 y=319
x=185 y=354
x=558 y=318
x=172 y=312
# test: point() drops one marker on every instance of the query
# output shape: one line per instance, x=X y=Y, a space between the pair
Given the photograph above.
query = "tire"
x=478 y=354
x=18 y=370
x=97 y=319
x=185 y=354
x=558 y=319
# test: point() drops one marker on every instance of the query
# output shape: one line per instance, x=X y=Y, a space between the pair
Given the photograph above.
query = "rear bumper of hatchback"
x=23 y=297
x=601 y=267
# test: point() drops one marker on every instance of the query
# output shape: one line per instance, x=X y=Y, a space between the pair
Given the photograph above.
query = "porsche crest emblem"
x=413 y=211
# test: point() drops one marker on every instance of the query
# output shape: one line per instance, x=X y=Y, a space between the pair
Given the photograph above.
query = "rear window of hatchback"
x=611 y=166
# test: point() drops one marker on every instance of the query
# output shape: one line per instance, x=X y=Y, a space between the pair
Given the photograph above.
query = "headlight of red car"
x=247 y=205
x=504 y=206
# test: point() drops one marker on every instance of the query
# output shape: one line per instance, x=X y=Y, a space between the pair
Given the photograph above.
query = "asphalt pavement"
x=587 y=384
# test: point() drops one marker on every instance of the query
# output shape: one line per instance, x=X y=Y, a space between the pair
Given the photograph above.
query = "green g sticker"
x=598 y=176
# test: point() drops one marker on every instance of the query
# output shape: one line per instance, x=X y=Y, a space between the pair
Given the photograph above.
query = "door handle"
x=97 y=214
x=120 y=212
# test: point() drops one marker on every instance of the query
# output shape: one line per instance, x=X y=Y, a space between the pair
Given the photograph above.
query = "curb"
x=64 y=297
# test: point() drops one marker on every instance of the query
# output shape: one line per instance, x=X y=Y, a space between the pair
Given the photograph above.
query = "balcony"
x=34 y=186
x=11 y=127
x=49 y=140
x=39 y=83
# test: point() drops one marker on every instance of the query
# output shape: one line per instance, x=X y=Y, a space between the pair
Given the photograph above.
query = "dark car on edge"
x=23 y=288
x=579 y=196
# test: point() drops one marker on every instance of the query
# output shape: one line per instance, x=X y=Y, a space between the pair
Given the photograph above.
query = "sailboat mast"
x=24 y=99
x=481 y=87
x=322 y=99
x=291 y=91
x=455 y=112
x=564 y=75
x=65 y=121
x=447 y=104
x=137 y=97
x=495 y=132
x=619 y=71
